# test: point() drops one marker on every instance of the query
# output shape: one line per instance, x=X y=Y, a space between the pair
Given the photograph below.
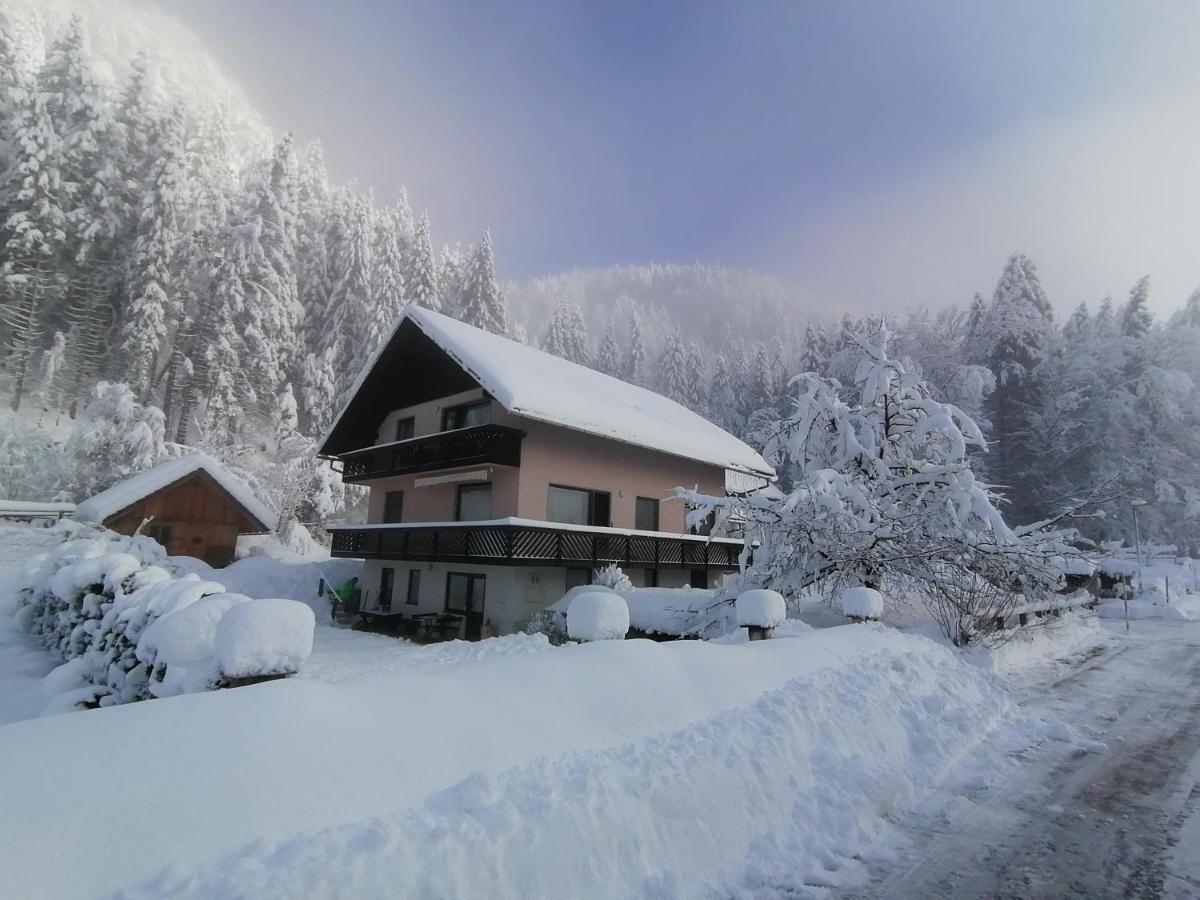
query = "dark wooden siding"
x=204 y=520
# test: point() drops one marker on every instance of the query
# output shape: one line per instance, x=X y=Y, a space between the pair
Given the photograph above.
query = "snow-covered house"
x=501 y=476
x=195 y=507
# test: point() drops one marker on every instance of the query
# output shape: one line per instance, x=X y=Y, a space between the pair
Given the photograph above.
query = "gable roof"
x=124 y=494
x=538 y=386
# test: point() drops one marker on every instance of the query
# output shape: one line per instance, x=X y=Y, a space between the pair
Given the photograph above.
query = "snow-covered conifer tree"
x=608 y=356
x=482 y=303
x=672 y=368
x=420 y=271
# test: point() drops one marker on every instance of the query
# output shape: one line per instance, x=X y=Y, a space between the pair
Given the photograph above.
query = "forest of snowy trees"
x=165 y=287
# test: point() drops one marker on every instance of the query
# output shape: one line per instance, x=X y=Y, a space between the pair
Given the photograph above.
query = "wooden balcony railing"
x=479 y=444
x=530 y=545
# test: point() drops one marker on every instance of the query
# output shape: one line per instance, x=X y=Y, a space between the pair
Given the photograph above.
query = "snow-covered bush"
x=272 y=636
x=126 y=628
x=613 y=577
x=551 y=622
x=760 y=609
x=862 y=603
x=597 y=616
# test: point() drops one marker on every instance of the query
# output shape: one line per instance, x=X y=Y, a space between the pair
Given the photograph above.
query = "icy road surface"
x=1107 y=806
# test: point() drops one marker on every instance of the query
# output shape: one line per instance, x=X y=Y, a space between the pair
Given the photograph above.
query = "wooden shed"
x=194 y=507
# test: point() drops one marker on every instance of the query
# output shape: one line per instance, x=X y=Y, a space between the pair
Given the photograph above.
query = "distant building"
x=501 y=476
x=194 y=507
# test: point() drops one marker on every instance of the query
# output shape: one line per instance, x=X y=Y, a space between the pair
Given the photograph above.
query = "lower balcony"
x=525 y=542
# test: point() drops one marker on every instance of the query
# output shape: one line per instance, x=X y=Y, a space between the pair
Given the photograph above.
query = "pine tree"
x=454 y=263
x=353 y=297
x=153 y=310
x=635 y=356
x=608 y=357
x=314 y=283
x=1135 y=315
x=388 y=276
x=578 y=346
x=554 y=341
x=79 y=110
x=1190 y=314
x=697 y=377
x=1018 y=332
x=673 y=368
x=420 y=272
x=482 y=303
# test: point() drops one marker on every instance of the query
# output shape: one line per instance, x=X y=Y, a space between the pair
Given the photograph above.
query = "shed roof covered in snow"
x=123 y=494
x=430 y=355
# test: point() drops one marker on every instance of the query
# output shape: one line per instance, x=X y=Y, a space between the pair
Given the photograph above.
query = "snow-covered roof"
x=34 y=508
x=536 y=385
x=125 y=493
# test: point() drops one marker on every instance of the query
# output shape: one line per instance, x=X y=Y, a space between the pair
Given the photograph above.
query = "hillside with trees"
x=175 y=277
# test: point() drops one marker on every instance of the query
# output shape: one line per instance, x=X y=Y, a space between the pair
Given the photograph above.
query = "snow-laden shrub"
x=551 y=622
x=760 y=609
x=862 y=603
x=597 y=616
x=613 y=577
x=127 y=628
x=271 y=636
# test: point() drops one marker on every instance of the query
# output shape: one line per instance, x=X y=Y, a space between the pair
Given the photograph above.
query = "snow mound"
x=597 y=616
x=862 y=603
x=760 y=608
x=271 y=636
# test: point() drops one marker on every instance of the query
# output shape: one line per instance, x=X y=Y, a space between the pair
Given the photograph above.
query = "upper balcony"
x=476 y=445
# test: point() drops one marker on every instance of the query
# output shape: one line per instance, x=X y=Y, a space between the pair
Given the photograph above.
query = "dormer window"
x=466 y=415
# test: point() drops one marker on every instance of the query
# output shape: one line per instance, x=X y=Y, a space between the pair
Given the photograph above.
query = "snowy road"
x=1110 y=808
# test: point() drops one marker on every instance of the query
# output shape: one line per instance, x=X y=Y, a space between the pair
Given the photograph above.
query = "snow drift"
x=616 y=768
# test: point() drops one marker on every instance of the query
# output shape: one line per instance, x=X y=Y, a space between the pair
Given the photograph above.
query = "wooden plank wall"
x=203 y=518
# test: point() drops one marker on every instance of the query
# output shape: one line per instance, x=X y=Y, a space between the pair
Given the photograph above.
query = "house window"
x=387 y=578
x=474 y=502
x=698 y=578
x=466 y=415
x=160 y=533
x=405 y=428
x=414 y=587
x=645 y=516
x=393 y=506
x=577 y=506
x=577 y=577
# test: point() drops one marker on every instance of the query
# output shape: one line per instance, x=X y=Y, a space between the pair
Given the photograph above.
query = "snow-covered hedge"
x=597 y=615
x=129 y=630
x=862 y=603
x=760 y=609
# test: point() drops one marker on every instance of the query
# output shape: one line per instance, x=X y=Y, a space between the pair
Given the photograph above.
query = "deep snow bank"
x=617 y=768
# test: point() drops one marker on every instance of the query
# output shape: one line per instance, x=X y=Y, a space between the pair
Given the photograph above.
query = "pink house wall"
x=554 y=455
x=550 y=455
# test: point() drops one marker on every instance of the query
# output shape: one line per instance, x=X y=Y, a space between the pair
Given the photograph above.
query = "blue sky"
x=874 y=154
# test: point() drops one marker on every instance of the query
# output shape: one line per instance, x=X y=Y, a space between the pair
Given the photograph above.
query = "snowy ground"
x=1105 y=806
x=511 y=768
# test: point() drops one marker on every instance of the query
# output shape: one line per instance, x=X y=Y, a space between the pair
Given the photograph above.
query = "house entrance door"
x=464 y=595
